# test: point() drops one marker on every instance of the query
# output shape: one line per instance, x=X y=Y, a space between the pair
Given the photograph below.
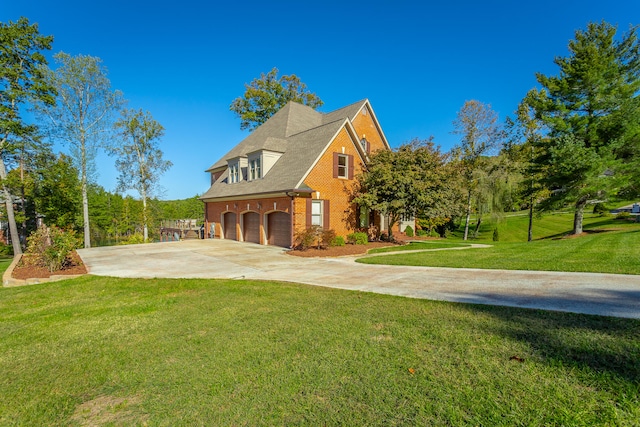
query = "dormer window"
x=255 y=170
x=234 y=173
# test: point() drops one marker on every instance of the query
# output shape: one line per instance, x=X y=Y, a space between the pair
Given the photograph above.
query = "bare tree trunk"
x=85 y=197
x=579 y=215
x=85 y=214
x=530 y=230
x=466 y=222
x=144 y=216
x=477 y=230
x=11 y=218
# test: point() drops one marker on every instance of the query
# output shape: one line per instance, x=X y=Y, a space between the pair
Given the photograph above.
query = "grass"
x=4 y=264
x=608 y=247
x=431 y=244
x=95 y=351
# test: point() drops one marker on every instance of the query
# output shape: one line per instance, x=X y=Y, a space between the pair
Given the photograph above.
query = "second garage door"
x=251 y=227
x=279 y=224
x=230 y=226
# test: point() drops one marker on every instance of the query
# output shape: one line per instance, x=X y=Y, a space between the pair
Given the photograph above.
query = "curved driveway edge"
x=589 y=293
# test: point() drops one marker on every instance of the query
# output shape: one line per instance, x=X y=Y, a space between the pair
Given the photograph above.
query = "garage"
x=279 y=229
x=229 y=224
x=251 y=227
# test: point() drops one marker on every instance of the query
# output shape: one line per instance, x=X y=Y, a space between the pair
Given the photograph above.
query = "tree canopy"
x=590 y=112
x=481 y=134
x=410 y=180
x=21 y=82
x=140 y=161
x=264 y=96
x=82 y=117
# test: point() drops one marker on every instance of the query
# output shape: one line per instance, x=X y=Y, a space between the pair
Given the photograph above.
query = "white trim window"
x=255 y=170
x=234 y=173
x=316 y=212
x=343 y=166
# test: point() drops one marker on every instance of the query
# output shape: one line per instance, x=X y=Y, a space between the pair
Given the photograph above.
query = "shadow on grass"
x=602 y=344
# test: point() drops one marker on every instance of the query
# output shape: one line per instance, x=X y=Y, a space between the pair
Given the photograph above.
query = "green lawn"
x=96 y=351
x=4 y=264
x=610 y=246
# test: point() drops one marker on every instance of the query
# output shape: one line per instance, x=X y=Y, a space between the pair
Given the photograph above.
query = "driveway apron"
x=590 y=293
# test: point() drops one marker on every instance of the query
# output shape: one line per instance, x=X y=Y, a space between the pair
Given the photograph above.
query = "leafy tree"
x=57 y=192
x=21 y=81
x=181 y=209
x=495 y=181
x=590 y=110
x=82 y=116
x=139 y=160
x=481 y=134
x=407 y=181
x=525 y=132
x=263 y=97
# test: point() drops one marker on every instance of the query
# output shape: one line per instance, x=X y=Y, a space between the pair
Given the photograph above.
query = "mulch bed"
x=74 y=266
x=346 y=250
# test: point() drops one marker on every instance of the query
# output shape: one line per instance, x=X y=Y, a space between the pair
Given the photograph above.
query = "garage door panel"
x=279 y=229
x=230 y=226
x=251 y=227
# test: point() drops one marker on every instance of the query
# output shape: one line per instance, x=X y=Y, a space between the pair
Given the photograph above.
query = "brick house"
x=295 y=170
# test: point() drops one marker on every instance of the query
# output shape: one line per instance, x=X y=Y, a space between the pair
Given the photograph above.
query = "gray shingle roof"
x=297 y=131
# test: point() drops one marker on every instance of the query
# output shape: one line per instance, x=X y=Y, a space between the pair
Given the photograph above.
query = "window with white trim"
x=343 y=166
x=234 y=173
x=255 y=171
x=316 y=212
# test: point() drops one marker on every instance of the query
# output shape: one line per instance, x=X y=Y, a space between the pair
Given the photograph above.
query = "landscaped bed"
x=73 y=266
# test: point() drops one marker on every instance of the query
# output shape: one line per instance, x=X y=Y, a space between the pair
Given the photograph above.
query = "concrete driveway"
x=590 y=293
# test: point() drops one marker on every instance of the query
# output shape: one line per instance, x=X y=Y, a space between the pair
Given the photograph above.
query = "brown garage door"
x=230 y=226
x=251 y=225
x=279 y=229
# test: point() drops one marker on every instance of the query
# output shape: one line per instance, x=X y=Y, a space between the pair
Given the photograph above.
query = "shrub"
x=314 y=236
x=358 y=238
x=422 y=232
x=326 y=238
x=51 y=247
x=338 y=241
x=305 y=238
x=6 y=250
x=623 y=215
x=408 y=231
x=134 y=239
x=434 y=233
x=600 y=209
x=496 y=235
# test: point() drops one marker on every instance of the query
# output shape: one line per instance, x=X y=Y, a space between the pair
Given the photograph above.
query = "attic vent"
x=364 y=111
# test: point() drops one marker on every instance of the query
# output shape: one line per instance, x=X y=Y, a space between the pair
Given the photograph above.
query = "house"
x=294 y=171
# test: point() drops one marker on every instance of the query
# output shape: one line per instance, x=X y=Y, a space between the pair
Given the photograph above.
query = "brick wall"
x=337 y=190
x=214 y=211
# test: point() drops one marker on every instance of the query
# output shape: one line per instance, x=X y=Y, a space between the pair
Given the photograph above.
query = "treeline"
x=571 y=143
x=50 y=189
x=116 y=218
x=72 y=104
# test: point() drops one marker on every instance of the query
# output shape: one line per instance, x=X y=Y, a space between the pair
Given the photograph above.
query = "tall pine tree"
x=590 y=110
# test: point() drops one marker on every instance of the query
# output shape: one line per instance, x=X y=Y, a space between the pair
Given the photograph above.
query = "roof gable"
x=301 y=133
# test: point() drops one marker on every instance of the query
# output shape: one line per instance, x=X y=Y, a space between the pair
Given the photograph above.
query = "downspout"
x=293 y=218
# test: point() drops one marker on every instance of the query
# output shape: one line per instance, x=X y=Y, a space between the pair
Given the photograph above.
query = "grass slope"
x=608 y=247
x=95 y=350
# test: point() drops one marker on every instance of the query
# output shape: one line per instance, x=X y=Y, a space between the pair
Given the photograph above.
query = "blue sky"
x=416 y=62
